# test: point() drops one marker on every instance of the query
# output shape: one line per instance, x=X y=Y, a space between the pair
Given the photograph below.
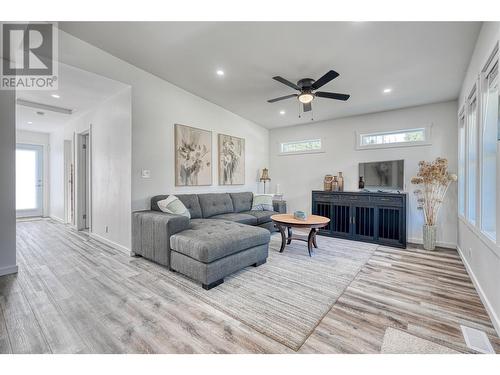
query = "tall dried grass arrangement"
x=434 y=181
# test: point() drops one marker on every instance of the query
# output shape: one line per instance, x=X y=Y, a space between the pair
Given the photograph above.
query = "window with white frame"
x=299 y=147
x=489 y=136
x=472 y=158
x=395 y=138
x=461 y=164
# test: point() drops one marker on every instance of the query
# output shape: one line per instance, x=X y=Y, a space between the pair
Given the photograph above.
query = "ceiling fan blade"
x=330 y=75
x=332 y=95
x=307 y=107
x=286 y=82
x=281 y=98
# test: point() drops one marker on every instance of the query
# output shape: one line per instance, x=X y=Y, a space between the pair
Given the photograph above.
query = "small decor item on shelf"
x=327 y=182
x=341 y=182
x=300 y=215
x=361 y=184
x=335 y=184
x=434 y=179
x=265 y=177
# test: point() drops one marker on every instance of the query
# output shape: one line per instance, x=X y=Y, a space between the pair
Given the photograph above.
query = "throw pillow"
x=262 y=202
x=173 y=205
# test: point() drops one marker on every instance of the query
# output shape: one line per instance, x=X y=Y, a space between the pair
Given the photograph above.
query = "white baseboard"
x=58 y=219
x=448 y=245
x=8 y=270
x=493 y=316
x=110 y=243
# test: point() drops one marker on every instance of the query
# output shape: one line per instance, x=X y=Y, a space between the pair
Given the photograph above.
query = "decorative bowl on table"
x=300 y=215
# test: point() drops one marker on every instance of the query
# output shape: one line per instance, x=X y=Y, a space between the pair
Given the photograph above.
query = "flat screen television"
x=383 y=175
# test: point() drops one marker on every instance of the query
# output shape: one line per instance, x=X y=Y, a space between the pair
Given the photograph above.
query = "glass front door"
x=29 y=180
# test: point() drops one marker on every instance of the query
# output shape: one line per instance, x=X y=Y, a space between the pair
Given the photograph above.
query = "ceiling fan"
x=308 y=87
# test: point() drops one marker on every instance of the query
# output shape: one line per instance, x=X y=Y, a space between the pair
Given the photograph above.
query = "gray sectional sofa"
x=223 y=235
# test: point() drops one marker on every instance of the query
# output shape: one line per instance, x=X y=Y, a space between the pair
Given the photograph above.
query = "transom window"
x=396 y=138
x=297 y=147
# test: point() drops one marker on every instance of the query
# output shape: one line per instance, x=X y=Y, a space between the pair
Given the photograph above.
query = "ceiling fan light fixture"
x=306 y=97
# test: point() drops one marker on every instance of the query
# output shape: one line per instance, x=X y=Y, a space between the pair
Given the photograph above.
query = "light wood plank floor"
x=75 y=295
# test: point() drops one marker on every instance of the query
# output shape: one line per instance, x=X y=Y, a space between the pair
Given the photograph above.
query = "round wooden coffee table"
x=313 y=222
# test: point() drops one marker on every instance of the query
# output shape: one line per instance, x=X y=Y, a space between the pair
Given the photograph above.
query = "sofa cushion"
x=262 y=202
x=210 y=239
x=242 y=201
x=189 y=200
x=261 y=216
x=173 y=205
x=215 y=204
x=238 y=218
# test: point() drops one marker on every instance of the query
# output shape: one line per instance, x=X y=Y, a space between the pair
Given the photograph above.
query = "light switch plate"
x=146 y=173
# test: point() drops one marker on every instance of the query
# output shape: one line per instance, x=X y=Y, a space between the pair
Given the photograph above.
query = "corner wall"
x=298 y=175
x=7 y=182
x=481 y=257
x=110 y=124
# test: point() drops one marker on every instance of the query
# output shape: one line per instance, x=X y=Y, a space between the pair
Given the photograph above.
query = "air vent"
x=477 y=340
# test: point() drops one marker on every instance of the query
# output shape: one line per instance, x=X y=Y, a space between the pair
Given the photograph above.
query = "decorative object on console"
x=173 y=205
x=231 y=160
x=327 y=182
x=341 y=182
x=265 y=177
x=193 y=156
x=434 y=179
x=262 y=202
x=335 y=184
x=300 y=215
x=361 y=183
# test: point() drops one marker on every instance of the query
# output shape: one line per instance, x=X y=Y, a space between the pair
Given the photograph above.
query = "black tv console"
x=363 y=216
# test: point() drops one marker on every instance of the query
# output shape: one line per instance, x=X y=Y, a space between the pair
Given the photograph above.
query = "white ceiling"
x=78 y=90
x=423 y=62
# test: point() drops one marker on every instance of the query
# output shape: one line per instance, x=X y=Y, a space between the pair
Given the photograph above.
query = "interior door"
x=29 y=180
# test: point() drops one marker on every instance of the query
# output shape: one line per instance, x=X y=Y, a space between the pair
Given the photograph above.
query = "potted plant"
x=434 y=181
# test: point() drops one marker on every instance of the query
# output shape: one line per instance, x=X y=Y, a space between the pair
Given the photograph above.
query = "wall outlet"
x=106 y=229
x=146 y=173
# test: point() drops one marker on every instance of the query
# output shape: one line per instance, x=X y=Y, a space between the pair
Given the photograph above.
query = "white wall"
x=40 y=139
x=7 y=183
x=110 y=124
x=481 y=257
x=297 y=175
x=156 y=106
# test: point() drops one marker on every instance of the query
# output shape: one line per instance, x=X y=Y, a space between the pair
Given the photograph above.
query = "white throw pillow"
x=173 y=205
x=262 y=202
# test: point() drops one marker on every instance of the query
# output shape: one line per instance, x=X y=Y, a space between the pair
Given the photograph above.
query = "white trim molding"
x=110 y=243
x=8 y=270
x=419 y=241
x=495 y=319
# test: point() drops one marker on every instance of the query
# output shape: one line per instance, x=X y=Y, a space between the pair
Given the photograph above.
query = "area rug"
x=400 y=342
x=288 y=296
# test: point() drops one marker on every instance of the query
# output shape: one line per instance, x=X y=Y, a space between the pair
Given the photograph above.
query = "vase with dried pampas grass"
x=433 y=180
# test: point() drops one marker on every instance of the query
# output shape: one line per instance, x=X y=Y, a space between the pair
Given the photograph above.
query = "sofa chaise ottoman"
x=212 y=249
x=223 y=235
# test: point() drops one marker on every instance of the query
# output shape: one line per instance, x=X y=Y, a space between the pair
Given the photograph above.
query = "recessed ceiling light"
x=30 y=122
x=55 y=96
x=282 y=112
x=220 y=73
x=387 y=91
